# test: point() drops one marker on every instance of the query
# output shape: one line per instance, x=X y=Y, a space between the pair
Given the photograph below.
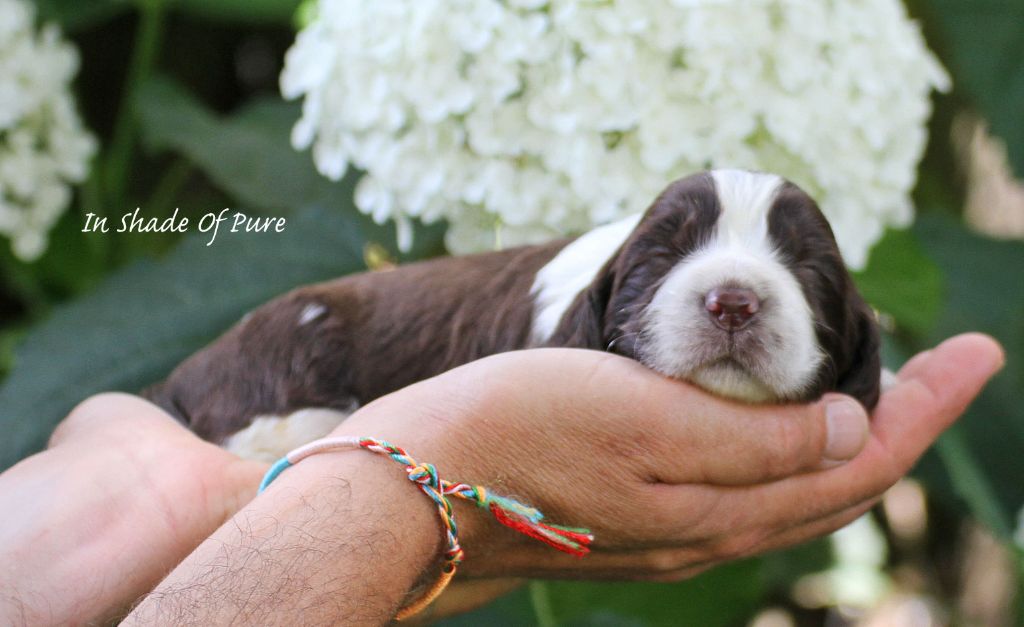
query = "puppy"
x=731 y=280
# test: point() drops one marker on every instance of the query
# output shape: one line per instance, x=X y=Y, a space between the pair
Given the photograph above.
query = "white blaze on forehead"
x=571 y=271
x=745 y=199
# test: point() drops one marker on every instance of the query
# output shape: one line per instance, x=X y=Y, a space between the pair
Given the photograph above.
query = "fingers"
x=722 y=443
x=694 y=437
x=706 y=439
x=743 y=445
x=673 y=432
x=680 y=564
x=161 y=449
x=732 y=477
x=934 y=389
x=110 y=412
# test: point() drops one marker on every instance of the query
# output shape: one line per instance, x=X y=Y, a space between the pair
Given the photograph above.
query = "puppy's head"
x=731 y=280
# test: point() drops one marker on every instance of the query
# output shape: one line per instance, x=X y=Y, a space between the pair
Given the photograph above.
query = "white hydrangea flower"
x=43 y=146
x=527 y=119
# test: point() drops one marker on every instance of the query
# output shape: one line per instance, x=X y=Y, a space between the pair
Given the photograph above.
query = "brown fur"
x=382 y=331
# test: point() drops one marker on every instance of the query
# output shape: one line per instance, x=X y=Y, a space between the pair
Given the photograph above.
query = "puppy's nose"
x=731 y=308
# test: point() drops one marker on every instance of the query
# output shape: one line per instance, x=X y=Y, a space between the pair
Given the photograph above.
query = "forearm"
x=339 y=538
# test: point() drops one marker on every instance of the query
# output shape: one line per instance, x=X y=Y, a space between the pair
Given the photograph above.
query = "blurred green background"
x=183 y=97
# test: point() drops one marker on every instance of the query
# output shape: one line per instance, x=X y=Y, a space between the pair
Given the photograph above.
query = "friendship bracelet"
x=509 y=512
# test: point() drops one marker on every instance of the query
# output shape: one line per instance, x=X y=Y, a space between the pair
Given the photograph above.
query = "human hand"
x=121 y=496
x=671 y=480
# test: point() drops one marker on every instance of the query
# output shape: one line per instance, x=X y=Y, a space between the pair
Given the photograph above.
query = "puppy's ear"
x=583 y=324
x=862 y=377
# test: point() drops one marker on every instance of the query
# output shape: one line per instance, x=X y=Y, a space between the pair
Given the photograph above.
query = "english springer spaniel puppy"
x=730 y=280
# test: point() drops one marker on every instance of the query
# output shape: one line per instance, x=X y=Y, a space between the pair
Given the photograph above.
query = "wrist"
x=452 y=435
x=428 y=437
x=373 y=493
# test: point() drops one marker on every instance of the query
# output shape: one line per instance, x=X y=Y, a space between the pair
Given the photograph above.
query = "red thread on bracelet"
x=509 y=512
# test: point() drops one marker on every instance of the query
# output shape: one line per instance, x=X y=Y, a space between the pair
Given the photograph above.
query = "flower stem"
x=149 y=34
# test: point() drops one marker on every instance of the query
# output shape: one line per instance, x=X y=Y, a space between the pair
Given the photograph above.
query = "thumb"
x=725 y=443
x=933 y=390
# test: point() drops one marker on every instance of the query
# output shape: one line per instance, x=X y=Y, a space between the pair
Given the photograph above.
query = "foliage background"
x=183 y=95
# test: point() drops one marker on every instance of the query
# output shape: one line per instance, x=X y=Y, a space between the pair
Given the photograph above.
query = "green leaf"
x=248 y=154
x=903 y=282
x=511 y=610
x=726 y=595
x=969 y=480
x=985 y=44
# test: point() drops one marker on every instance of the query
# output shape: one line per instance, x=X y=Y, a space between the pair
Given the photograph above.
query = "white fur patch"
x=571 y=271
x=311 y=312
x=680 y=340
x=888 y=380
x=268 y=438
x=745 y=199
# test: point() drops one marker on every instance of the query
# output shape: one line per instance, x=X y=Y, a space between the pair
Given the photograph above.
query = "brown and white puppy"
x=731 y=280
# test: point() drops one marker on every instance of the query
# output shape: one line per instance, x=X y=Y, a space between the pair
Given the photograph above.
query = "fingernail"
x=847 y=424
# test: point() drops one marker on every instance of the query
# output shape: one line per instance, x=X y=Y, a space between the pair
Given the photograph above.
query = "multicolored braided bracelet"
x=511 y=513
